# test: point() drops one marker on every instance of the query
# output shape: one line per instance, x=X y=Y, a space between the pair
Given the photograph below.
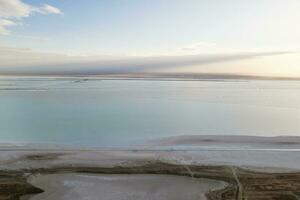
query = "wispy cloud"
x=12 y=11
x=47 y=9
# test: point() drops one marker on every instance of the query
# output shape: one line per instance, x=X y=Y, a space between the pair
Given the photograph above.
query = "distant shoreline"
x=226 y=142
x=156 y=76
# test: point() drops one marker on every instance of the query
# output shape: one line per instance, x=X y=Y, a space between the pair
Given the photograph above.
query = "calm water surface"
x=121 y=112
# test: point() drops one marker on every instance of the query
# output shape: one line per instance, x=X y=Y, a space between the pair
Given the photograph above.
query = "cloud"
x=34 y=63
x=12 y=11
x=198 y=46
x=47 y=9
x=4 y=23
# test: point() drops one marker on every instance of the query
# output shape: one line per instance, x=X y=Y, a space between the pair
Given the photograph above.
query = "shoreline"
x=158 y=76
x=267 y=142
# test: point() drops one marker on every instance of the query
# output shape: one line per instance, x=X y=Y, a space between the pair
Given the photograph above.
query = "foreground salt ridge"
x=277 y=170
x=217 y=165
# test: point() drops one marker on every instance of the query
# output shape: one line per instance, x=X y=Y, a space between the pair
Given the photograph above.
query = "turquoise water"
x=121 y=112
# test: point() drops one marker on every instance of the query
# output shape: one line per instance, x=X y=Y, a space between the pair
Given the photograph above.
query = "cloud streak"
x=12 y=11
x=32 y=63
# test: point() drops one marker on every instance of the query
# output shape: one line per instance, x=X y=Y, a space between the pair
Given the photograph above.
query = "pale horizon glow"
x=259 y=37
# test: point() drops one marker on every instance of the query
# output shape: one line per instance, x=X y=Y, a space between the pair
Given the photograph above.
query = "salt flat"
x=276 y=153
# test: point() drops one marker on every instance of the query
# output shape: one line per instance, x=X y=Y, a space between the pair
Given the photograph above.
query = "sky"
x=257 y=37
